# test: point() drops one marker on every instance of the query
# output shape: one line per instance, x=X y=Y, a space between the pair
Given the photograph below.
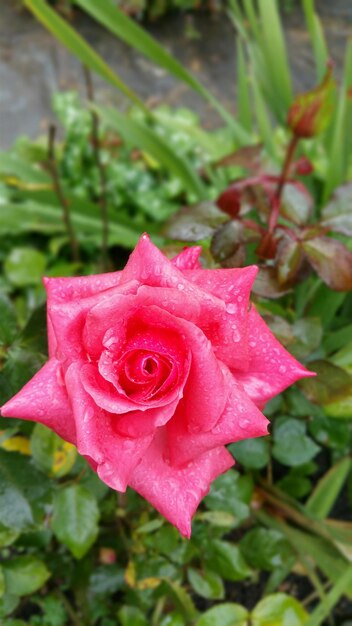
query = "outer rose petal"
x=67 y=320
x=240 y=419
x=44 y=399
x=271 y=368
x=176 y=493
x=115 y=455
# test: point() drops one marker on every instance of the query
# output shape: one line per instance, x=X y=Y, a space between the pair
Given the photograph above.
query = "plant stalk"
x=53 y=170
x=291 y=149
x=102 y=174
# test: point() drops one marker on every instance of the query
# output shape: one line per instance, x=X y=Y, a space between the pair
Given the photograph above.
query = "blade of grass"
x=341 y=587
x=322 y=499
x=117 y=22
x=79 y=47
x=315 y=29
x=137 y=135
x=339 y=143
x=244 y=108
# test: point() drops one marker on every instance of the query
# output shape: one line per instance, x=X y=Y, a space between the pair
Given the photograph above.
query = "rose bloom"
x=153 y=370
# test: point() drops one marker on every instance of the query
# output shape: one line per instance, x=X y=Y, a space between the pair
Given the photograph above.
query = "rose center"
x=145 y=375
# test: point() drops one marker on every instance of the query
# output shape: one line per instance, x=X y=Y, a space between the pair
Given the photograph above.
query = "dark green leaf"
x=75 y=519
x=24 y=266
x=292 y=446
x=206 y=584
x=231 y=493
x=8 y=321
x=266 y=549
x=225 y=559
x=252 y=453
x=131 y=616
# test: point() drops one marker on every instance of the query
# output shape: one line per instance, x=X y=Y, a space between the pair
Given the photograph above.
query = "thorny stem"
x=102 y=174
x=75 y=619
x=52 y=166
x=291 y=148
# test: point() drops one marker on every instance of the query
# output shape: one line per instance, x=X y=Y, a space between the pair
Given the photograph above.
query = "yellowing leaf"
x=130 y=574
x=17 y=444
x=64 y=458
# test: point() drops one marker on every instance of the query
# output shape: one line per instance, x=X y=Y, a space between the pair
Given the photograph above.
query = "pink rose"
x=153 y=370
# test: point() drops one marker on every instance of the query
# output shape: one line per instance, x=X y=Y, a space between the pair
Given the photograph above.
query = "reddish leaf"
x=226 y=244
x=267 y=247
x=311 y=111
x=193 y=223
x=288 y=261
x=247 y=157
x=302 y=167
x=337 y=215
x=267 y=285
x=296 y=203
x=331 y=384
x=331 y=260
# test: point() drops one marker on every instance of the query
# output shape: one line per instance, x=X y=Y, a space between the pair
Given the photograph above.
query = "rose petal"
x=241 y=419
x=129 y=418
x=68 y=319
x=201 y=407
x=271 y=368
x=176 y=493
x=78 y=287
x=115 y=455
x=224 y=323
x=44 y=399
x=188 y=259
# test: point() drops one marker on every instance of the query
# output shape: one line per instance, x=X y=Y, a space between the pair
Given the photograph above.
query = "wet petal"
x=188 y=259
x=115 y=455
x=176 y=492
x=271 y=368
x=240 y=419
x=44 y=399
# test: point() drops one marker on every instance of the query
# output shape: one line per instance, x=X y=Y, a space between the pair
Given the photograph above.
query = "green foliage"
x=71 y=551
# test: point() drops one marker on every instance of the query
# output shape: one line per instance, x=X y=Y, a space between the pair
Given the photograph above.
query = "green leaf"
x=25 y=575
x=75 y=519
x=38 y=217
x=7 y=536
x=182 y=600
x=8 y=321
x=131 y=616
x=15 y=510
x=79 y=47
x=2 y=582
x=279 y=610
x=228 y=614
x=206 y=584
x=43 y=446
x=8 y=604
x=139 y=135
x=266 y=549
x=292 y=446
x=231 y=493
x=24 y=266
x=328 y=488
x=251 y=453
x=332 y=388
x=225 y=559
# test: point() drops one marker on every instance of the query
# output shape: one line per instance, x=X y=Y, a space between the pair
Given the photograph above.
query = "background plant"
x=272 y=541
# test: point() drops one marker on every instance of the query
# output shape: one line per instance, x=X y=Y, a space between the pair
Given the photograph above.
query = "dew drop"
x=282 y=369
x=231 y=308
x=244 y=422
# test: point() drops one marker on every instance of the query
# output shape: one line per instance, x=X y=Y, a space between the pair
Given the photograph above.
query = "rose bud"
x=153 y=370
x=311 y=111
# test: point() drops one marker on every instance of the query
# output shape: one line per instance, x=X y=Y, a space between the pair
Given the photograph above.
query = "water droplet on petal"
x=244 y=423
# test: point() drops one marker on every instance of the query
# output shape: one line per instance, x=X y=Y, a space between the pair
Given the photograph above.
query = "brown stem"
x=102 y=174
x=53 y=170
x=291 y=148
